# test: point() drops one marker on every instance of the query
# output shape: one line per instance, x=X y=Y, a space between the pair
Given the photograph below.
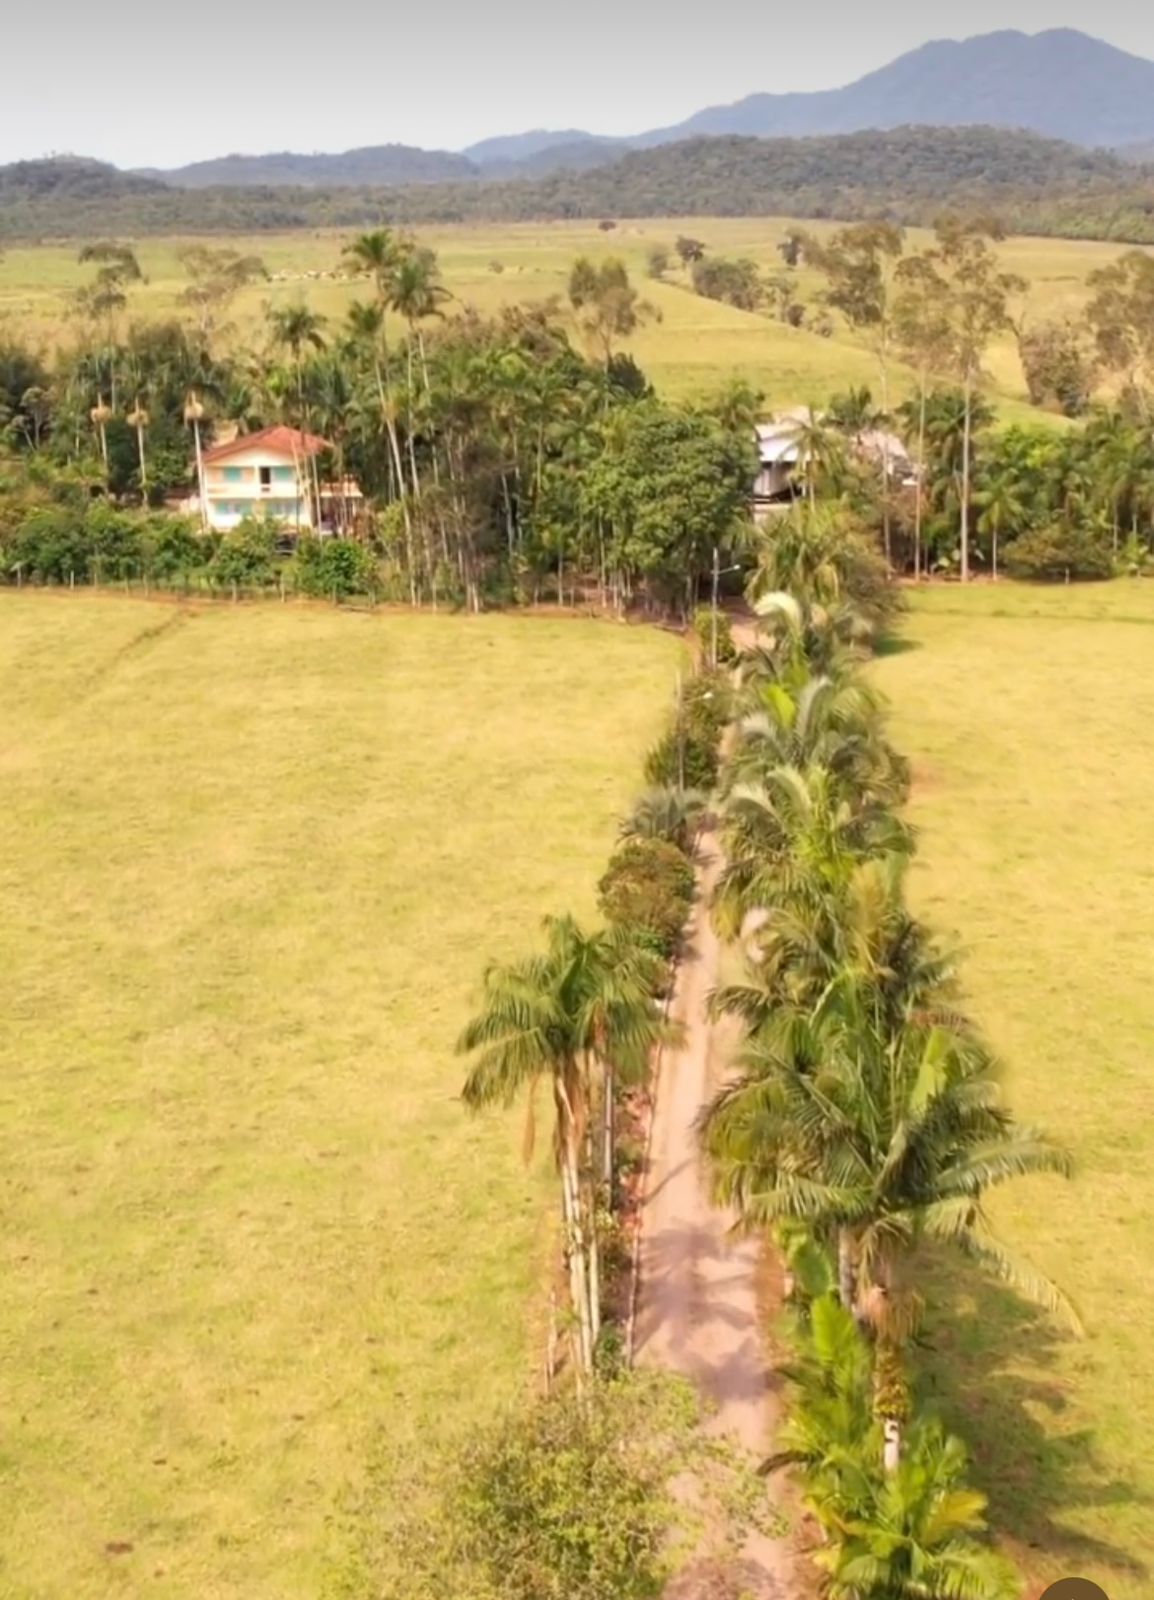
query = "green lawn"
x=696 y=345
x=1028 y=716
x=251 y=864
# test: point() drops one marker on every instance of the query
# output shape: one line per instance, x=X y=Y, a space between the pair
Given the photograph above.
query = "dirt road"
x=697 y=1308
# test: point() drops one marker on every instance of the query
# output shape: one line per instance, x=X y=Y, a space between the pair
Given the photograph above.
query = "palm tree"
x=580 y=1015
x=665 y=813
x=821 y=452
x=138 y=419
x=194 y=416
x=913 y=1534
x=1001 y=509
x=297 y=328
x=877 y=1136
x=101 y=416
x=797 y=831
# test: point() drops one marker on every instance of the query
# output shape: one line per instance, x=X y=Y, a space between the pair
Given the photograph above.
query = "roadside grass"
x=697 y=345
x=252 y=862
x=1027 y=714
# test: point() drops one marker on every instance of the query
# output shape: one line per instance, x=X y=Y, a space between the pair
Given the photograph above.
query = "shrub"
x=246 y=555
x=563 y=1501
x=679 y=760
x=334 y=569
x=703 y=628
x=648 y=886
x=174 y=547
x=115 y=542
x=49 y=546
x=1060 y=553
x=670 y=814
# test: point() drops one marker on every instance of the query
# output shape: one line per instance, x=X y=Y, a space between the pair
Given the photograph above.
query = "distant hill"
x=911 y=175
x=509 y=149
x=64 y=179
x=377 y=165
x=1060 y=83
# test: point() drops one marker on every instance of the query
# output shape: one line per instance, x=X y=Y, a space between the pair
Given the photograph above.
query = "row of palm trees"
x=865 y=1126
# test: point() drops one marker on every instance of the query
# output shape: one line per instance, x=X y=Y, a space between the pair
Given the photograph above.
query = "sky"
x=145 y=83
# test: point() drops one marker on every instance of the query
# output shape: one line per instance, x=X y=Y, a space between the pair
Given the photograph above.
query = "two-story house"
x=273 y=474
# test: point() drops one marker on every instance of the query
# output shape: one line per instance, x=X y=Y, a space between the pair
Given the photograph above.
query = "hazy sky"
x=150 y=83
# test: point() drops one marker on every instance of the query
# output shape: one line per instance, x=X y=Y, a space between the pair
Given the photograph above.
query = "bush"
x=648 y=886
x=562 y=1501
x=246 y=556
x=115 y=543
x=174 y=548
x=678 y=760
x=1060 y=553
x=50 y=546
x=335 y=569
x=703 y=628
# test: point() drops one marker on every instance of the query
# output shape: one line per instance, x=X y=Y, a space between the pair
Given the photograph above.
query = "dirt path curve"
x=697 y=1308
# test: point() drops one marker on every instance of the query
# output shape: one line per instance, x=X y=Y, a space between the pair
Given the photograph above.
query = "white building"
x=272 y=474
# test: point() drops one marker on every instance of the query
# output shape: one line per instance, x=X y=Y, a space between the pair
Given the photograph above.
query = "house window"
x=284 y=474
x=266 y=477
x=234 y=474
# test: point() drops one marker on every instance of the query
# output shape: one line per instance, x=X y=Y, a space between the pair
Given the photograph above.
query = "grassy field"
x=1027 y=716
x=251 y=864
x=697 y=344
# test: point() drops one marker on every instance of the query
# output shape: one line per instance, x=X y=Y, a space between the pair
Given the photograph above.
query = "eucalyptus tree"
x=101 y=300
x=606 y=305
x=216 y=275
x=579 y=1017
x=858 y=265
x=977 y=303
x=925 y=339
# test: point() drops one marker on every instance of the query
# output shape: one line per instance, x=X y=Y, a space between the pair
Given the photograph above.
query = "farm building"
x=273 y=474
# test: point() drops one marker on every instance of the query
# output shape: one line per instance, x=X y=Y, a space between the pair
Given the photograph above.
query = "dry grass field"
x=697 y=344
x=252 y=862
x=1027 y=713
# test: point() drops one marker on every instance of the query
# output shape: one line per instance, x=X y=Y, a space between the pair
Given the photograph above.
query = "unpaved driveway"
x=697 y=1307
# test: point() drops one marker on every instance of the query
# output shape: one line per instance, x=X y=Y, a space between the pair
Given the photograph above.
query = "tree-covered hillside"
x=909 y=175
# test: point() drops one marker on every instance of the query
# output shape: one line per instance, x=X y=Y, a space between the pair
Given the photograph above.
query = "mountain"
x=380 y=166
x=1060 y=83
x=510 y=149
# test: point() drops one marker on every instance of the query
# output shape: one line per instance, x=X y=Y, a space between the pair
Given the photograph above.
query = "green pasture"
x=1027 y=715
x=696 y=345
x=252 y=862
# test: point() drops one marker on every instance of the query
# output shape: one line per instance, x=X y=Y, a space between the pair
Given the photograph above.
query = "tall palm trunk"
x=967 y=451
x=920 y=502
x=846 y=1273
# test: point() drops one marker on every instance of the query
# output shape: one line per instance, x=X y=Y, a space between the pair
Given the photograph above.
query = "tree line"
x=908 y=175
x=511 y=458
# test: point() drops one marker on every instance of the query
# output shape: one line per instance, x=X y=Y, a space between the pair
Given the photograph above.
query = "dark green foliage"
x=737 y=283
x=1059 y=367
x=1060 y=553
x=708 y=625
x=52 y=546
x=335 y=569
x=115 y=542
x=246 y=556
x=908 y=174
x=175 y=549
x=560 y=1502
x=648 y=886
x=679 y=760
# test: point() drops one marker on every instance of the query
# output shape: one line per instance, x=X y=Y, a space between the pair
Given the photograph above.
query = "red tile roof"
x=278 y=441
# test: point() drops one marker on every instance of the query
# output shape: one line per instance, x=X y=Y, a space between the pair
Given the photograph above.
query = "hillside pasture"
x=696 y=345
x=1026 y=713
x=252 y=862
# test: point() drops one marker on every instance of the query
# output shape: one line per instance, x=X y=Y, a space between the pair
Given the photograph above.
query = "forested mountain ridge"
x=911 y=175
x=375 y=165
x=1061 y=83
